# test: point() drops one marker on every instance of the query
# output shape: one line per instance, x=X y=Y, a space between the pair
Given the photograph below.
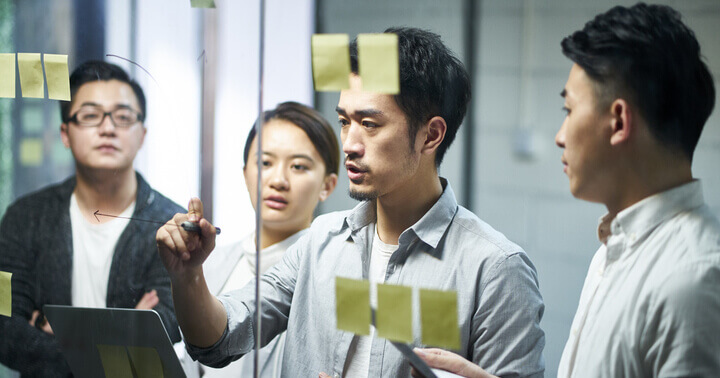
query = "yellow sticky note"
x=378 y=62
x=31 y=75
x=331 y=61
x=31 y=152
x=146 y=362
x=352 y=301
x=393 y=318
x=438 y=315
x=202 y=3
x=7 y=75
x=115 y=361
x=58 y=78
x=6 y=294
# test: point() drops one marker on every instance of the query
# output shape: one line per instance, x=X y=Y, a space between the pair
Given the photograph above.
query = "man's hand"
x=184 y=252
x=43 y=323
x=148 y=301
x=448 y=361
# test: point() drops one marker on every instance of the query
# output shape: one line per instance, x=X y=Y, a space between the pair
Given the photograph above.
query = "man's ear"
x=329 y=184
x=621 y=122
x=435 y=130
x=64 y=135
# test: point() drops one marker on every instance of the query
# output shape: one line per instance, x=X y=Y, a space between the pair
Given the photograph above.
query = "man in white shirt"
x=637 y=99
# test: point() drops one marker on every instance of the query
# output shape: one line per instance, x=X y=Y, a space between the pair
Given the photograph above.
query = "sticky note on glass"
x=32 y=82
x=378 y=62
x=58 y=78
x=146 y=362
x=31 y=152
x=393 y=318
x=115 y=361
x=6 y=294
x=202 y=3
x=439 y=319
x=7 y=75
x=352 y=301
x=331 y=61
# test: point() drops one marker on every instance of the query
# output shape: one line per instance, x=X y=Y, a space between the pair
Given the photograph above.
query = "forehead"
x=107 y=94
x=284 y=137
x=579 y=87
x=354 y=101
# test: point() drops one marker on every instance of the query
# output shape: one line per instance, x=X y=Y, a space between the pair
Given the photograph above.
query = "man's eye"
x=343 y=122
x=89 y=116
x=369 y=124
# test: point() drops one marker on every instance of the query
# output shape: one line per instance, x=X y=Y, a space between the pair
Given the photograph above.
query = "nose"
x=278 y=178
x=107 y=126
x=352 y=141
x=560 y=136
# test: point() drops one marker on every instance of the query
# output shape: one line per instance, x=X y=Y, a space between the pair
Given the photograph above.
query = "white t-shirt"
x=93 y=249
x=359 y=364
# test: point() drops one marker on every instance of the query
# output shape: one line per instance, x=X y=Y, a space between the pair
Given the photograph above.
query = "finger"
x=34 y=317
x=436 y=358
x=323 y=375
x=195 y=209
x=208 y=233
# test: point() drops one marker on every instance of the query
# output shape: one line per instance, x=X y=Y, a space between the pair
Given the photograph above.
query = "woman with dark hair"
x=300 y=159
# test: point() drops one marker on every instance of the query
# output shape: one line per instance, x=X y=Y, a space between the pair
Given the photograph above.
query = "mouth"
x=355 y=173
x=106 y=148
x=565 y=165
x=275 y=202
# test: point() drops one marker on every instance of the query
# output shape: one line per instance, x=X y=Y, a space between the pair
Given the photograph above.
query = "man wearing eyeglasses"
x=59 y=252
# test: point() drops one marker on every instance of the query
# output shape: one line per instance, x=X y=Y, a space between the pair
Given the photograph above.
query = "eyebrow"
x=295 y=156
x=563 y=93
x=361 y=113
x=118 y=106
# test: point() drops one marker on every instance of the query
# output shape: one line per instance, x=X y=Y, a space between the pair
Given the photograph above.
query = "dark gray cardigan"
x=36 y=247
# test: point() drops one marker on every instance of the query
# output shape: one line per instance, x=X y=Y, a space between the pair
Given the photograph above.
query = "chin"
x=362 y=195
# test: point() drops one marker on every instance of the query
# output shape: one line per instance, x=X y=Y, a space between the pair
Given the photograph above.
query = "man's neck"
x=647 y=177
x=402 y=208
x=111 y=192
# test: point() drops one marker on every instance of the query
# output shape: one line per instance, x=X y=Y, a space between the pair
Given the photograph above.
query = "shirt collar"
x=645 y=215
x=430 y=228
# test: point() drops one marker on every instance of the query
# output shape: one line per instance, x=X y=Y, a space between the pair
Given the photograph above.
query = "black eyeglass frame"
x=138 y=115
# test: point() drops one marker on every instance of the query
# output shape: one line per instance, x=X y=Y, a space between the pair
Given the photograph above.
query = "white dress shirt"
x=650 y=306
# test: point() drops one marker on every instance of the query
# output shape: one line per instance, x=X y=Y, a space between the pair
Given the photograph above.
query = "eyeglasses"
x=92 y=116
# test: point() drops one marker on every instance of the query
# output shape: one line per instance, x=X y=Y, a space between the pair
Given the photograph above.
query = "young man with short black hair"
x=56 y=248
x=637 y=98
x=408 y=230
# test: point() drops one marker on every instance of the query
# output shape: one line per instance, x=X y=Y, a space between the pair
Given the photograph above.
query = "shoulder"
x=477 y=235
x=332 y=221
x=44 y=200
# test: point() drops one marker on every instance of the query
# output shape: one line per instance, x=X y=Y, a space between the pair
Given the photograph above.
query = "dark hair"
x=433 y=82
x=96 y=70
x=647 y=54
x=318 y=129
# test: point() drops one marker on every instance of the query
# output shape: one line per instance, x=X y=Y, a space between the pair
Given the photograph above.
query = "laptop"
x=85 y=333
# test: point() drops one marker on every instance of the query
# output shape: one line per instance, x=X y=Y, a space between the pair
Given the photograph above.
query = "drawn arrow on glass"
x=187 y=225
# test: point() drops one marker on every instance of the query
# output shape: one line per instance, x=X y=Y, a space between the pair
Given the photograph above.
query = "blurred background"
x=202 y=99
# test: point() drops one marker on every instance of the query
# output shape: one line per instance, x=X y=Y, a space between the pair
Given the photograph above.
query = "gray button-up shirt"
x=449 y=248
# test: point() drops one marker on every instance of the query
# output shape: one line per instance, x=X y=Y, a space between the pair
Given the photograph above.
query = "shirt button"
x=574 y=332
x=601 y=271
x=336 y=375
